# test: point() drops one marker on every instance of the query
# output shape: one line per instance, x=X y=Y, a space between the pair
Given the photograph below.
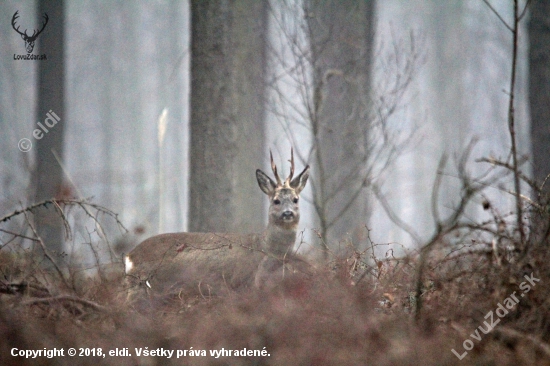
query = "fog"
x=127 y=63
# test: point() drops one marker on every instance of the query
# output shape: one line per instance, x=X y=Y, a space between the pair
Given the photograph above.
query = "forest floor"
x=473 y=309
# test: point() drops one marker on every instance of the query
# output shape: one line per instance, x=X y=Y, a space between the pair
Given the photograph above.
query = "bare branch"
x=498 y=15
x=503 y=164
x=17 y=236
x=435 y=190
x=393 y=216
x=510 y=332
x=66 y=299
x=524 y=11
x=46 y=252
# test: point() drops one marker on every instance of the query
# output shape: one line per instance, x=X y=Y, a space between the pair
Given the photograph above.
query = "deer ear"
x=300 y=181
x=267 y=185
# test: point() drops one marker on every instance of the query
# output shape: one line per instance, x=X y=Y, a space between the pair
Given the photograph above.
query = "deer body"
x=209 y=263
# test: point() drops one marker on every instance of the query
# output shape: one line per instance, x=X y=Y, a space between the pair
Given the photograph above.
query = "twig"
x=393 y=216
x=435 y=191
x=16 y=235
x=498 y=15
x=24 y=287
x=503 y=164
x=524 y=11
x=29 y=208
x=81 y=203
x=66 y=298
x=445 y=226
x=46 y=252
x=64 y=219
x=512 y=333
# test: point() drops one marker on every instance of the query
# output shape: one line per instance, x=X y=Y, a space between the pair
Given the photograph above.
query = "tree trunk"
x=341 y=36
x=539 y=89
x=48 y=174
x=227 y=114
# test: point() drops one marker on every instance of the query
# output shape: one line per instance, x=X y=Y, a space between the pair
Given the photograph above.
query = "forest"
x=412 y=229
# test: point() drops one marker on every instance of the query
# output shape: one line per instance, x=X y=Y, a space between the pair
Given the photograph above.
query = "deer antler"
x=287 y=181
x=274 y=168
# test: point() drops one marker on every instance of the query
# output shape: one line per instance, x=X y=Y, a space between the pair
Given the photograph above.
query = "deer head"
x=29 y=40
x=284 y=196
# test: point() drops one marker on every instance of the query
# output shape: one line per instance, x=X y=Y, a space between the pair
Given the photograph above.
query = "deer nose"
x=288 y=214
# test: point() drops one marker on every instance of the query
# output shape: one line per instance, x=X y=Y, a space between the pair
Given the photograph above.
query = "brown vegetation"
x=358 y=309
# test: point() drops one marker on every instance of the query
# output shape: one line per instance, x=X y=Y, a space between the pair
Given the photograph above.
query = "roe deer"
x=207 y=263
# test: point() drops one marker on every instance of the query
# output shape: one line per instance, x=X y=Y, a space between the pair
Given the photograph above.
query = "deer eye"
x=295 y=200
x=276 y=201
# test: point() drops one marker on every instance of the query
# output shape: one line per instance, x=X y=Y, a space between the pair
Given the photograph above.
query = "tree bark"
x=227 y=113
x=539 y=89
x=48 y=174
x=341 y=36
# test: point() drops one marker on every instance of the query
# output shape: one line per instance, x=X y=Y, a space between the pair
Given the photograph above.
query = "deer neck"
x=279 y=240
